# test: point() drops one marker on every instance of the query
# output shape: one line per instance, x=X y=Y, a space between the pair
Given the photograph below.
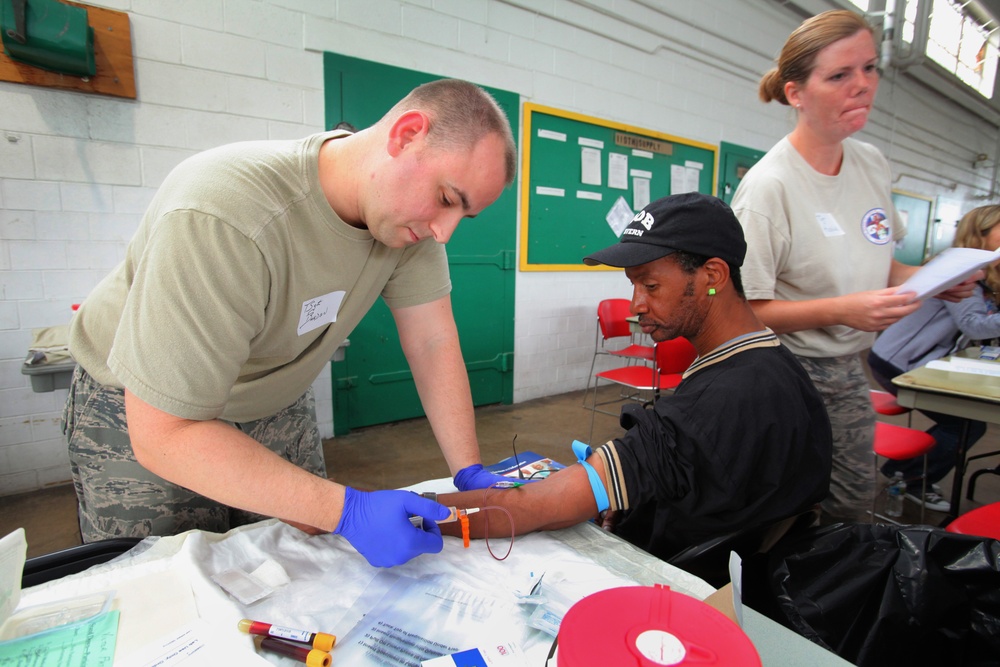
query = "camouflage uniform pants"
x=842 y=383
x=119 y=498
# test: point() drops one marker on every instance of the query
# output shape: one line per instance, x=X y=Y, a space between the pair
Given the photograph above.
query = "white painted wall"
x=76 y=170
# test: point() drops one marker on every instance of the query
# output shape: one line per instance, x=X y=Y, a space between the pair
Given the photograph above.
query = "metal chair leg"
x=593 y=413
x=972 y=480
x=590 y=377
x=923 y=493
x=878 y=493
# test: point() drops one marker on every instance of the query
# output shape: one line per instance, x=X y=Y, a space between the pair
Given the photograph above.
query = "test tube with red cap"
x=312 y=657
x=318 y=640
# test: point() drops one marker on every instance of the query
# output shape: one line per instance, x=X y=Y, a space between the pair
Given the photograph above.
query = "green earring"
x=711 y=291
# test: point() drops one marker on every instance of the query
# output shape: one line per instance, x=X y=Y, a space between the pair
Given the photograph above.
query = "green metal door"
x=734 y=162
x=373 y=384
x=916 y=212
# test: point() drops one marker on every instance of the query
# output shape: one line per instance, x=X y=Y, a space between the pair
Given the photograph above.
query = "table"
x=165 y=583
x=966 y=395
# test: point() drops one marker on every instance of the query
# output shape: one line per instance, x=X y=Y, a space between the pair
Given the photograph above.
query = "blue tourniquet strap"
x=582 y=451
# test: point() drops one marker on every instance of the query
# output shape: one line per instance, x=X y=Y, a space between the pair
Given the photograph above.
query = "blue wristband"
x=582 y=451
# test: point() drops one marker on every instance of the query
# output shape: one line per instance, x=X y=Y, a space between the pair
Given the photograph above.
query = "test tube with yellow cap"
x=318 y=640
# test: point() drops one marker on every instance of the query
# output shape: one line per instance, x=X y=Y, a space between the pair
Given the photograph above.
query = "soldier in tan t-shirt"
x=820 y=226
x=191 y=406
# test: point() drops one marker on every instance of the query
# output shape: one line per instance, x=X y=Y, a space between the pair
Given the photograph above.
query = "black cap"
x=690 y=222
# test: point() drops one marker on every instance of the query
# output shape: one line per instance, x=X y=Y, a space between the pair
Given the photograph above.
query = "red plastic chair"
x=611 y=326
x=885 y=403
x=672 y=357
x=898 y=443
x=983 y=522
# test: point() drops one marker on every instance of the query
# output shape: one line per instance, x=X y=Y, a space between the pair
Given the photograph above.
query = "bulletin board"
x=582 y=179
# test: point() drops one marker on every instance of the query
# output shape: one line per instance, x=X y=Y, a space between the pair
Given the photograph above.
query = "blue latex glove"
x=377 y=524
x=476 y=477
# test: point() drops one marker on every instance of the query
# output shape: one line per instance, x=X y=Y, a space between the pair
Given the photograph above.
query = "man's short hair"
x=461 y=114
x=689 y=263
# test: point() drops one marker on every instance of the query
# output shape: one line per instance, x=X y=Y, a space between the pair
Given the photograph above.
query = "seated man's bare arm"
x=563 y=499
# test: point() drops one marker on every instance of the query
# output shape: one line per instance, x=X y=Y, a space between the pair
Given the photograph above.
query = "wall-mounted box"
x=48 y=34
x=114 y=71
x=49 y=377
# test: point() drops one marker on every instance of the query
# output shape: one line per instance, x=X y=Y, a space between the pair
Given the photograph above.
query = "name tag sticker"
x=319 y=311
x=829 y=224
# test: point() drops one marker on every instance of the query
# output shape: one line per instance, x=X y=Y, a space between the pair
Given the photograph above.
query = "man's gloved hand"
x=377 y=524
x=476 y=477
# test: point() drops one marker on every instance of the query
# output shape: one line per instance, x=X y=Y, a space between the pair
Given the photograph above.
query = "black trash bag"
x=880 y=596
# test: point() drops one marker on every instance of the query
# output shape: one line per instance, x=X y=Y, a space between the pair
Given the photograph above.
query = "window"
x=961 y=40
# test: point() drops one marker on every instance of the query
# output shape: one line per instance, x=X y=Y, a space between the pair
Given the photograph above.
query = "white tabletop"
x=166 y=583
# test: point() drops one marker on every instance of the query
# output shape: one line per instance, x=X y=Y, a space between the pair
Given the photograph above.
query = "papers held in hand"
x=947 y=269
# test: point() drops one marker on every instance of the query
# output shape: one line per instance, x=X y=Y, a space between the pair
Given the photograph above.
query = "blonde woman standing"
x=820 y=224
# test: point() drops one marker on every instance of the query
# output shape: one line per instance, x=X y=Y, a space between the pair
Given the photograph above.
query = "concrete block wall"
x=76 y=171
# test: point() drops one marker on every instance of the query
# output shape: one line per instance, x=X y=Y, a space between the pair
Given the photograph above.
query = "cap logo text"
x=645 y=218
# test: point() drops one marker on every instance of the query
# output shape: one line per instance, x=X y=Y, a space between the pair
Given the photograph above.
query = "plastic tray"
x=49 y=377
x=44 y=617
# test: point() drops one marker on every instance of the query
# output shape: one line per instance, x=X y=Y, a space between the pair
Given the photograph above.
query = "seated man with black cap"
x=744 y=440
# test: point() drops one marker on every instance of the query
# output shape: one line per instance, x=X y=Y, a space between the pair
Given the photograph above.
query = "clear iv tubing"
x=486 y=525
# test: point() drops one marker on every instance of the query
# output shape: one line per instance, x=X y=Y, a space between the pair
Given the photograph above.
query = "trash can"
x=49 y=363
x=880 y=595
x=49 y=377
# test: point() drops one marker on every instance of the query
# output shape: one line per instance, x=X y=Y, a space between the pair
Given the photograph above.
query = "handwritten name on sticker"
x=829 y=224
x=319 y=311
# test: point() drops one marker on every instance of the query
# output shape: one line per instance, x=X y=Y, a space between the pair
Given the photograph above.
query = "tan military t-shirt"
x=240 y=284
x=811 y=236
